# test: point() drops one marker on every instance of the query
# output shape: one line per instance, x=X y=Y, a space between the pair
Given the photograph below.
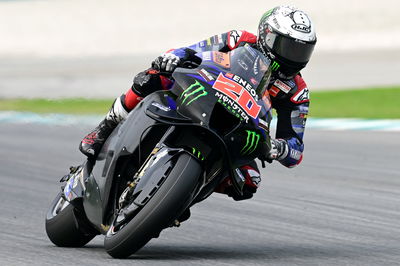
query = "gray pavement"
x=102 y=77
x=340 y=207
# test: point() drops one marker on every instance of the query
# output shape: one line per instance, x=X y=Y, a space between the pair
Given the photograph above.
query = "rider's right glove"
x=167 y=62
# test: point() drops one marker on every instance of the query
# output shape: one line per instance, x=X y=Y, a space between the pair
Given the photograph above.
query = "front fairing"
x=227 y=95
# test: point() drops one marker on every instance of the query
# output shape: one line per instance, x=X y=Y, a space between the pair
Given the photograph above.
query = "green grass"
x=364 y=103
x=65 y=106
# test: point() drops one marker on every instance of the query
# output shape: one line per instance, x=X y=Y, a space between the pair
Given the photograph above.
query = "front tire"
x=64 y=225
x=170 y=200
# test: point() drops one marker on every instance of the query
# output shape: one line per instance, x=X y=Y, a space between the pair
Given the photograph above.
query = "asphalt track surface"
x=340 y=207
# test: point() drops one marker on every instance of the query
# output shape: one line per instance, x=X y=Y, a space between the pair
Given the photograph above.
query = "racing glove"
x=279 y=149
x=167 y=62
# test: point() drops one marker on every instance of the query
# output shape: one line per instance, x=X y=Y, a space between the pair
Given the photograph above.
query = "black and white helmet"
x=287 y=36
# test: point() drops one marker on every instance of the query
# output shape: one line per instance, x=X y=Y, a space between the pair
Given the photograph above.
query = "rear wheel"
x=65 y=226
x=160 y=211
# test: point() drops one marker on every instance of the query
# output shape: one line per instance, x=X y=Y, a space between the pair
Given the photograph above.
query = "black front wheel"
x=169 y=200
x=65 y=226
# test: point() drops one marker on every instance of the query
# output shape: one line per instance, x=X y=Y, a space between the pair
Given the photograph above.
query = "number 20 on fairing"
x=239 y=94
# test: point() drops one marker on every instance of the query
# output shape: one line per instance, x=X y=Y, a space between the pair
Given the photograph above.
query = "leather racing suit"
x=290 y=99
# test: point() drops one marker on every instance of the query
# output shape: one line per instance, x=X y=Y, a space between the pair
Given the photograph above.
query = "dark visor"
x=290 y=49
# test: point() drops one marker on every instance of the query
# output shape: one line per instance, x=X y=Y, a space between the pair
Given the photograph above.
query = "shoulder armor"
x=294 y=89
x=301 y=94
x=237 y=37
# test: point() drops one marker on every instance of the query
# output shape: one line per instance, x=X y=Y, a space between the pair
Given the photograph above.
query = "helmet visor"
x=288 y=48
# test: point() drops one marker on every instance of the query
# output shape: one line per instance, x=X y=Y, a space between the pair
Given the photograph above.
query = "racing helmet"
x=287 y=36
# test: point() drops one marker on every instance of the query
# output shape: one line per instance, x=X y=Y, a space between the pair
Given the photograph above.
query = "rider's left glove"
x=278 y=149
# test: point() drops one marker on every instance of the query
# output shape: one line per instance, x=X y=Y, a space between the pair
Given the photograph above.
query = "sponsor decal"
x=206 y=56
x=240 y=175
x=221 y=59
x=295 y=154
x=255 y=176
x=229 y=75
x=291 y=83
x=282 y=86
x=217 y=39
x=254 y=81
x=303 y=116
x=275 y=66
x=202 y=44
x=243 y=64
x=263 y=124
x=72 y=183
x=301 y=22
x=208 y=41
x=255 y=66
x=245 y=84
x=267 y=100
x=232 y=106
x=75 y=181
x=240 y=91
x=194 y=91
x=252 y=141
x=205 y=75
x=267 y=14
x=234 y=37
x=273 y=91
x=250 y=50
x=302 y=28
x=303 y=109
x=301 y=96
x=161 y=107
x=276 y=23
x=197 y=153
x=220 y=40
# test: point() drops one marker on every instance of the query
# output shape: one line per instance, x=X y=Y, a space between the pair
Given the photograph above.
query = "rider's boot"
x=92 y=142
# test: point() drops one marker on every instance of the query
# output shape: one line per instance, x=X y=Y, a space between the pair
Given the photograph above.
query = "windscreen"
x=251 y=66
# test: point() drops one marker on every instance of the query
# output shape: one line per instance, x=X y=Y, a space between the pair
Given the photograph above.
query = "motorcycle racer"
x=287 y=37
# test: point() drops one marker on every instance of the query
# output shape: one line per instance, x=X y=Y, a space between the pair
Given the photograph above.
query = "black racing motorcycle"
x=171 y=152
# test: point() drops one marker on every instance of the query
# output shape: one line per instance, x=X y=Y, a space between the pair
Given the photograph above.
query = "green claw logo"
x=197 y=153
x=196 y=89
x=275 y=66
x=267 y=14
x=251 y=142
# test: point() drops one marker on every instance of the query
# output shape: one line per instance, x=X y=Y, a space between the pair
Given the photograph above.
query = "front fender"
x=155 y=171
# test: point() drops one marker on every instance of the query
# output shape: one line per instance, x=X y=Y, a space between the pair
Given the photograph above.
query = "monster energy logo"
x=275 y=66
x=198 y=154
x=196 y=89
x=267 y=14
x=251 y=142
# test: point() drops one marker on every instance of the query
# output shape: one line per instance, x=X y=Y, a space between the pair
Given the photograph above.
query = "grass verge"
x=64 y=106
x=374 y=103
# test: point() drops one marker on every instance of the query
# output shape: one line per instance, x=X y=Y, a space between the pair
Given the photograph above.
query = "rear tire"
x=64 y=225
x=170 y=200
